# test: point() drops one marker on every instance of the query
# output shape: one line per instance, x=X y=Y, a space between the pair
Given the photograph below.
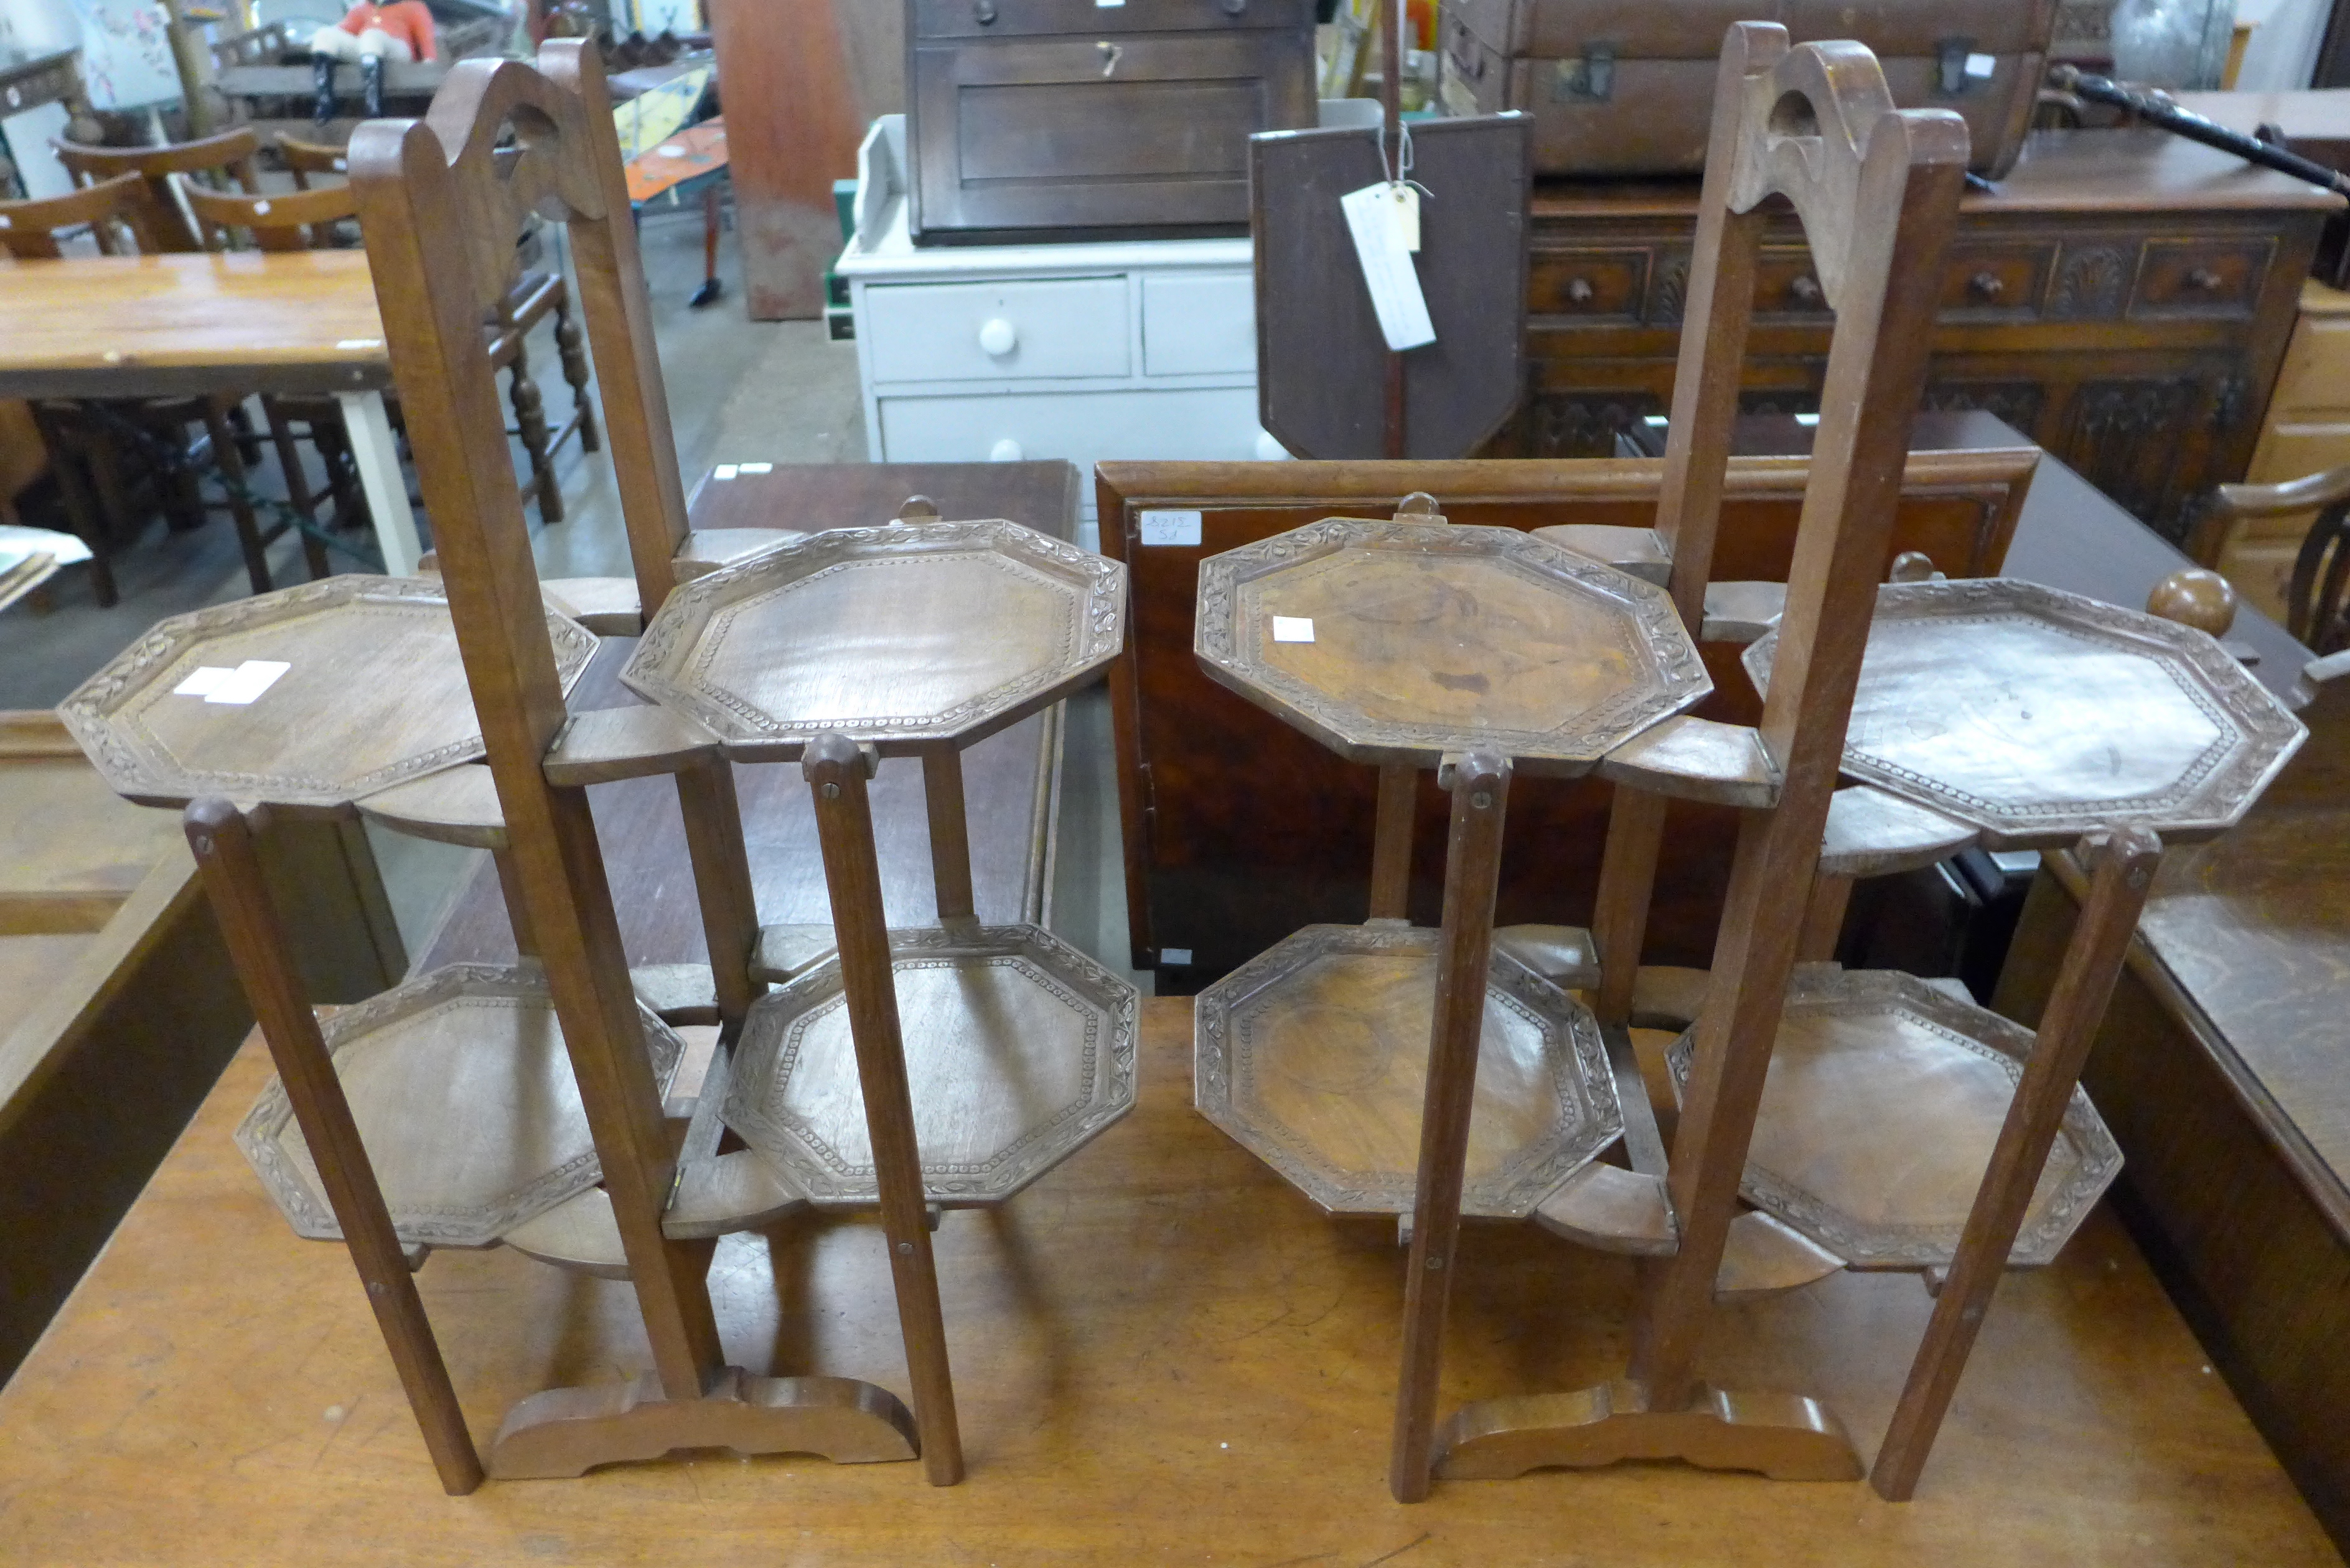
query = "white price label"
x=1386 y=265
x=1166 y=525
x=723 y=470
x=1982 y=68
x=203 y=681
x=1292 y=629
x=246 y=683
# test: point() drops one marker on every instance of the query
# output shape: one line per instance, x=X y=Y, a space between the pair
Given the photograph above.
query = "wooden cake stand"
x=2017 y=717
x=441 y=1113
x=1478 y=651
x=999 y=1049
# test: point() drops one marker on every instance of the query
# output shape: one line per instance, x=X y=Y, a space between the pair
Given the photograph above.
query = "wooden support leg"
x=1823 y=919
x=530 y=422
x=943 y=796
x=722 y=880
x=1391 y=842
x=83 y=514
x=298 y=494
x=2122 y=866
x=517 y=912
x=1628 y=879
x=572 y=356
x=1480 y=783
x=837 y=771
x=240 y=508
x=224 y=845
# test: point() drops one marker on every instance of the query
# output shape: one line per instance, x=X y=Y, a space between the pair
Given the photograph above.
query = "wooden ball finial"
x=1911 y=567
x=2194 y=597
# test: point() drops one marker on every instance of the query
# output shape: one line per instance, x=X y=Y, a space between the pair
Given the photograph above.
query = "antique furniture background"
x=39 y=90
x=1618 y=89
x=1212 y=877
x=128 y=326
x=1052 y=118
x=2220 y=1068
x=2305 y=433
x=118 y=1004
x=2123 y=298
x=1081 y=351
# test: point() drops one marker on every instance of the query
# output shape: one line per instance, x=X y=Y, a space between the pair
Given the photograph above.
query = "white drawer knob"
x=1005 y=451
x=999 y=338
x=1269 y=450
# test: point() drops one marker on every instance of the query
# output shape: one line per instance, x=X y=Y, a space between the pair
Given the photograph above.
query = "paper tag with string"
x=1387 y=269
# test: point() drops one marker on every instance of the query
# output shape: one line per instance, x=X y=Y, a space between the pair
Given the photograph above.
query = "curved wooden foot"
x=568 y=1432
x=1788 y=1437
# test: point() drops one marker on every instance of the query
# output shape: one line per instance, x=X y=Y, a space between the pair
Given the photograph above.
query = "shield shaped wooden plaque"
x=1321 y=360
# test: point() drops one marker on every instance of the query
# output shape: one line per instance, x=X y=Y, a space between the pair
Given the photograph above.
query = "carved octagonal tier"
x=1019 y=1049
x=1398 y=641
x=915 y=637
x=2037 y=715
x=1884 y=1098
x=464 y=1099
x=1313 y=1057
x=372 y=694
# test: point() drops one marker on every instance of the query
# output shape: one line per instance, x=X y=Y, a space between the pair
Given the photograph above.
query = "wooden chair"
x=310 y=219
x=536 y=294
x=2315 y=611
x=94 y=445
x=438 y=202
x=227 y=158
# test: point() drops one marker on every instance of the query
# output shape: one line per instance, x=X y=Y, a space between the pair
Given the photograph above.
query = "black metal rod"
x=2163 y=112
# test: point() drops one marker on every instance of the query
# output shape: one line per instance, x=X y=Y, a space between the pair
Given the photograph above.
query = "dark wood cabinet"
x=1064 y=115
x=2125 y=297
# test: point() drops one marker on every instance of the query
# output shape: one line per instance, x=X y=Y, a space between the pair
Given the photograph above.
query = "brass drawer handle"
x=1806 y=290
x=1987 y=285
x=1110 y=54
x=1580 y=290
x=2203 y=280
x=984 y=10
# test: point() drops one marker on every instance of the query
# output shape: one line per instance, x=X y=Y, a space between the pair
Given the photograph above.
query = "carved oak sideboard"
x=2123 y=297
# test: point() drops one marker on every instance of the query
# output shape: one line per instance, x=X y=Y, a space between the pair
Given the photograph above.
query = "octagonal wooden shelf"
x=464 y=1099
x=1885 y=1096
x=1313 y=1057
x=375 y=696
x=1419 y=639
x=2036 y=715
x=913 y=637
x=1019 y=1050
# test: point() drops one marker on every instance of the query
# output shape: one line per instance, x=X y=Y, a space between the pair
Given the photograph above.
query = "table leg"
x=1480 y=783
x=942 y=799
x=836 y=773
x=2121 y=866
x=1392 y=841
x=376 y=455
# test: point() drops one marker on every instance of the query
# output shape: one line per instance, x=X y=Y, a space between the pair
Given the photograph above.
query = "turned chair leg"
x=530 y=418
x=83 y=514
x=570 y=350
x=298 y=494
x=240 y=502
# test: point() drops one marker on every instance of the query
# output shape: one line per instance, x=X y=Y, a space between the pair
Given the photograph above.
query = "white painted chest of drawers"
x=1088 y=352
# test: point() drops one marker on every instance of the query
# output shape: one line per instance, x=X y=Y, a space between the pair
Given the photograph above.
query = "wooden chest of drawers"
x=2307 y=431
x=2125 y=297
x=1033 y=115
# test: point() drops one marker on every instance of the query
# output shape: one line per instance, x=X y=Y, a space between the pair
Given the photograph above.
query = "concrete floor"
x=739 y=390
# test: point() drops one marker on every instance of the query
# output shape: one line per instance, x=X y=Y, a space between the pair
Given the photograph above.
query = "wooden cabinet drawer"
x=1030 y=18
x=1786 y=285
x=1205 y=423
x=2200 y=277
x=1594 y=282
x=2316 y=369
x=1996 y=282
x=1199 y=324
x=1051 y=327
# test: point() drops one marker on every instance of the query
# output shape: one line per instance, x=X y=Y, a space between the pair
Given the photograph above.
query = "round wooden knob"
x=919 y=509
x=1911 y=567
x=2203 y=280
x=1005 y=451
x=2193 y=597
x=1987 y=284
x=1806 y=289
x=1580 y=290
x=998 y=337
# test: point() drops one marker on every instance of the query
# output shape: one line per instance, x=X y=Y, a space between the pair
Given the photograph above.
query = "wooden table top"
x=302 y=321
x=1161 y=1351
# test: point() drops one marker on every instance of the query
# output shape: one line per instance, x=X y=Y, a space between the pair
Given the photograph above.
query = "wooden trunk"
x=1067 y=115
x=1627 y=88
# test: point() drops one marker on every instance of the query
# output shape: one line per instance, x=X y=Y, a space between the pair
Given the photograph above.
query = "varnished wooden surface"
x=2038 y=716
x=1882 y=1100
x=374 y=695
x=115 y=326
x=1161 y=1351
x=1313 y=1057
x=1423 y=638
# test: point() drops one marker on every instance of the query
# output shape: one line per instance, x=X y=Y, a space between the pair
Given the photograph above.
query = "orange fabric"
x=407 y=20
